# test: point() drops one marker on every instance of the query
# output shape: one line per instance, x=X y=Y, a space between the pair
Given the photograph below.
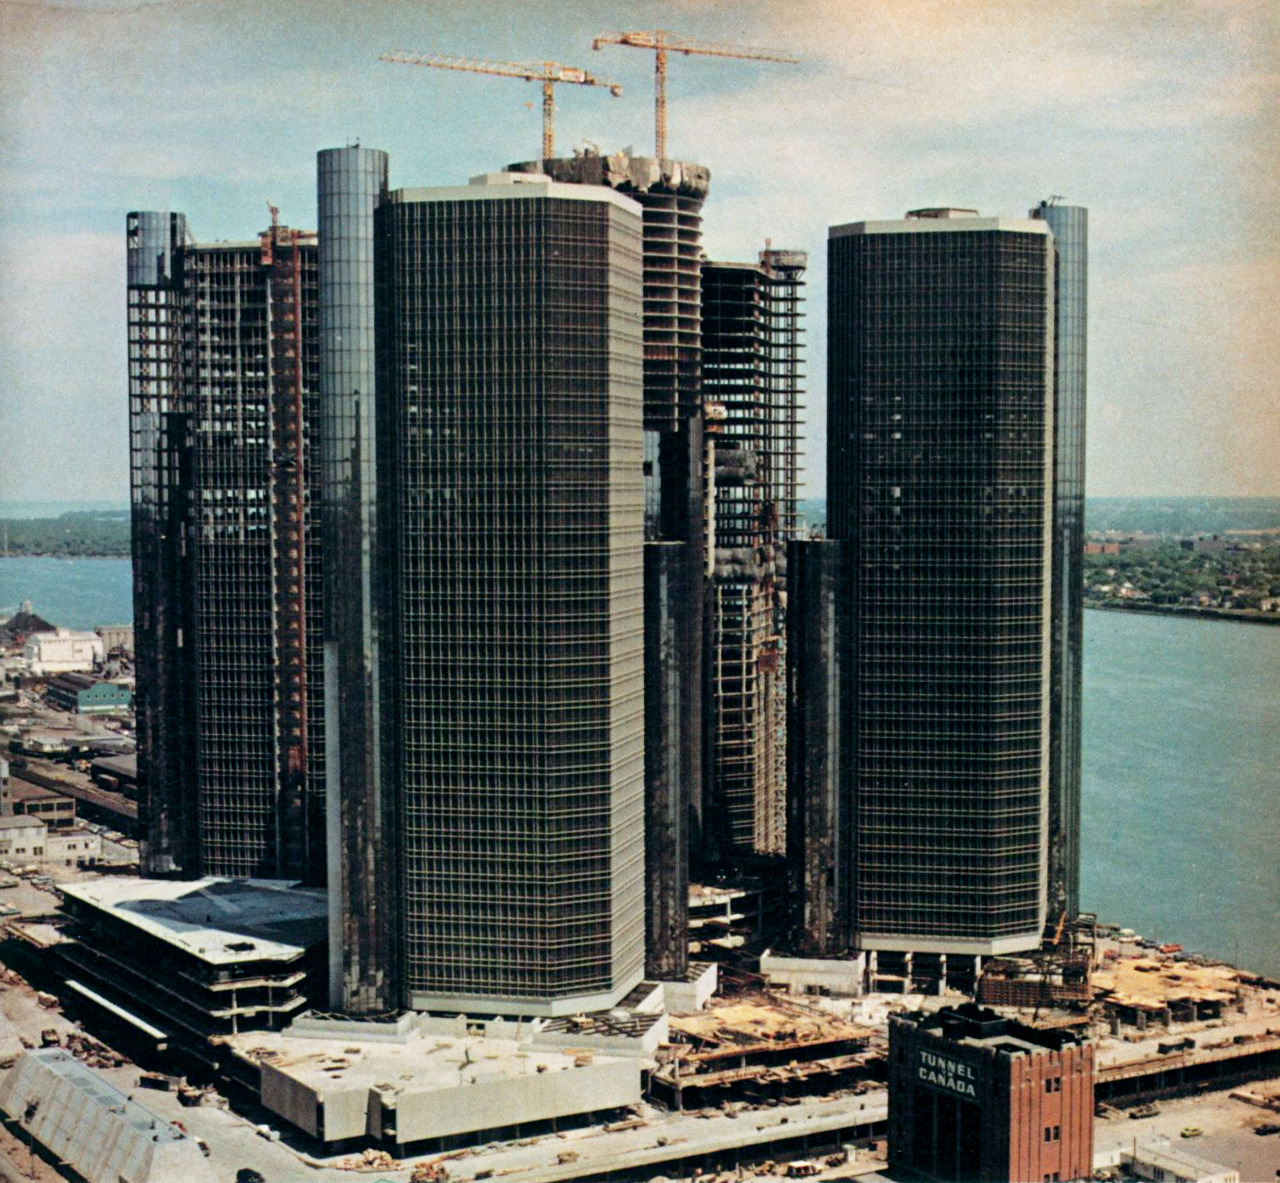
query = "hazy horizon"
x=1162 y=119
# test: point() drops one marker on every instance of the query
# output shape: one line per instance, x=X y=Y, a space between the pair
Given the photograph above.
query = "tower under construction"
x=751 y=384
x=223 y=359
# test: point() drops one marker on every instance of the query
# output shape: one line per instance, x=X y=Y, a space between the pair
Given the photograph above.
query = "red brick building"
x=974 y=1096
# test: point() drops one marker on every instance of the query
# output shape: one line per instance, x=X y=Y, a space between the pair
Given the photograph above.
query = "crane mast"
x=548 y=73
x=662 y=42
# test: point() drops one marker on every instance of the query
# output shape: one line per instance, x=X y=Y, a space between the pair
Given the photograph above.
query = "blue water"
x=1181 y=761
x=71 y=593
x=1181 y=825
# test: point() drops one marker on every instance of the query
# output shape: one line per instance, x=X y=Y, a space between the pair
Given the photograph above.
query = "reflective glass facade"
x=511 y=390
x=155 y=251
x=361 y=815
x=1070 y=226
x=940 y=467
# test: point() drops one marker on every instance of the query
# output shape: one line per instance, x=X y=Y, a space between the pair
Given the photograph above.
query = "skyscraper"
x=940 y=463
x=679 y=515
x=1070 y=226
x=222 y=407
x=751 y=379
x=505 y=540
x=360 y=793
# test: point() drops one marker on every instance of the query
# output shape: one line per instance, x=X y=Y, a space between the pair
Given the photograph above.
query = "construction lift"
x=548 y=73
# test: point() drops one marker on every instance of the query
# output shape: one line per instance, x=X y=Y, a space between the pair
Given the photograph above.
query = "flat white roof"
x=423 y=1063
x=221 y=921
x=941 y=226
x=518 y=186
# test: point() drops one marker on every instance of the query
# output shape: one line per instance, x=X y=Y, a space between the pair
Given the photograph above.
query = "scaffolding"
x=751 y=382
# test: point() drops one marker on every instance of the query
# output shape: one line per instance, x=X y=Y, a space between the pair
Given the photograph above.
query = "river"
x=1181 y=795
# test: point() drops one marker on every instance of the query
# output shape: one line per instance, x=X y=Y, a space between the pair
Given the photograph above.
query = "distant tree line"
x=72 y=535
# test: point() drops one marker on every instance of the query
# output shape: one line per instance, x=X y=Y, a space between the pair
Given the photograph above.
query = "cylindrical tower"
x=361 y=847
x=1070 y=226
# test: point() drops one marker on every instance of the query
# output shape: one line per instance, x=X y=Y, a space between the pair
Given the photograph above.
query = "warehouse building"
x=87 y=695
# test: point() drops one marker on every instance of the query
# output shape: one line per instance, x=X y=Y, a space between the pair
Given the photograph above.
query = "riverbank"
x=1242 y=615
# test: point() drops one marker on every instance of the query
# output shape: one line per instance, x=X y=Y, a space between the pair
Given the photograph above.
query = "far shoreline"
x=1238 y=615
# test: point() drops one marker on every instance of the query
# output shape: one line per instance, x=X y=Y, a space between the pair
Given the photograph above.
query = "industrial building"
x=27 y=839
x=751 y=384
x=973 y=1096
x=87 y=695
x=223 y=358
x=63 y=651
x=940 y=462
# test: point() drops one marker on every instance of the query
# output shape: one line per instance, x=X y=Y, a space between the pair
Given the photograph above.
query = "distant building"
x=87 y=695
x=27 y=838
x=53 y=809
x=22 y=837
x=118 y=638
x=6 y=797
x=223 y=395
x=63 y=651
x=19 y=626
x=975 y=1098
x=1102 y=548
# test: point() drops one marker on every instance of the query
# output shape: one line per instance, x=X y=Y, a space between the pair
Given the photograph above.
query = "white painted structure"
x=1161 y=1161
x=814 y=975
x=63 y=651
x=415 y=1082
x=28 y=839
x=90 y=1124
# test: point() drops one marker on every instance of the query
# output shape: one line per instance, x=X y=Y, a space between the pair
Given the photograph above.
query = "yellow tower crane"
x=662 y=43
x=548 y=73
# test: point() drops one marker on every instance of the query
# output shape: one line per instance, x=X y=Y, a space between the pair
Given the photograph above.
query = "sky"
x=1160 y=116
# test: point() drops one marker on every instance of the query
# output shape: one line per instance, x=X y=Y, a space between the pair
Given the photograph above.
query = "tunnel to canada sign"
x=952 y=1076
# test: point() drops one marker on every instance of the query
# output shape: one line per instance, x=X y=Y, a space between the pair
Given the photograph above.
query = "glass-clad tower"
x=940 y=461
x=1070 y=226
x=510 y=392
x=155 y=246
x=359 y=800
x=223 y=402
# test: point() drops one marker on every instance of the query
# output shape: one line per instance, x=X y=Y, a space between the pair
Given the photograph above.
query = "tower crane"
x=663 y=42
x=548 y=73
